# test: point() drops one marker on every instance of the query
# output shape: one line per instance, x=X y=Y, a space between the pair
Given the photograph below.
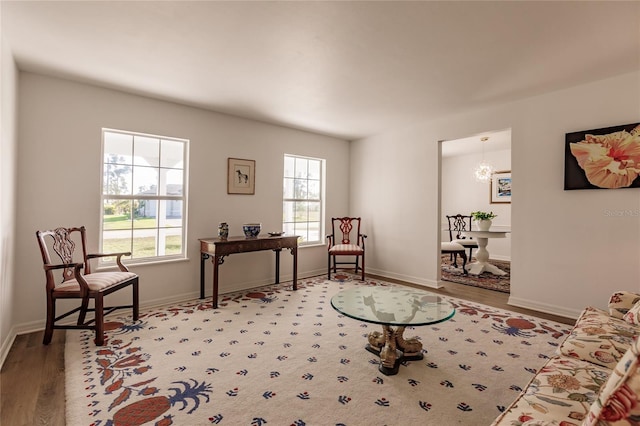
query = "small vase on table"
x=223 y=230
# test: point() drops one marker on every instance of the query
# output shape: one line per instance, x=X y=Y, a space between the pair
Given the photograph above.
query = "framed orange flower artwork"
x=607 y=158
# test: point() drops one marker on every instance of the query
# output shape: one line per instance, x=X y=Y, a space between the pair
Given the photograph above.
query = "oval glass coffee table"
x=392 y=306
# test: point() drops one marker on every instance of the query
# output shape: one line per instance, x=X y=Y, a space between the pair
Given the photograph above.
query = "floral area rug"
x=274 y=356
x=484 y=280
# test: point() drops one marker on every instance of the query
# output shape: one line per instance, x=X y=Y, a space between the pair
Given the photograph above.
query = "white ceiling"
x=347 y=69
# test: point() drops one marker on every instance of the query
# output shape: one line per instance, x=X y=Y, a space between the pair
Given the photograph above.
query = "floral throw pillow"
x=621 y=301
x=617 y=403
x=633 y=315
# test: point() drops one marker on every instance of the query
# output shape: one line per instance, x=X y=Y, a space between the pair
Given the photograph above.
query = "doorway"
x=461 y=193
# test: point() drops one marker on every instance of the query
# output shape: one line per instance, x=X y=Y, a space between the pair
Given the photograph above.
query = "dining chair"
x=457 y=224
x=78 y=281
x=345 y=240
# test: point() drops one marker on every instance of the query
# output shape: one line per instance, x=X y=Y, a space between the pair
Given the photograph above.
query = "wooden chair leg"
x=51 y=315
x=455 y=260
x=328 y=267
x=464 y=262
x=99 y=307
x=362 y=267
x=83 y=310
x=136 y=301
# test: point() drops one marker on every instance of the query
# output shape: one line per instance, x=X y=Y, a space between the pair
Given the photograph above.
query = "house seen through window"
x=303 y=204
x=143 y=195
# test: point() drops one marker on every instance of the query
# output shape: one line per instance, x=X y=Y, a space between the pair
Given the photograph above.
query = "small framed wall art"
x=604 y=158
x=241 y=176
x=500 y=187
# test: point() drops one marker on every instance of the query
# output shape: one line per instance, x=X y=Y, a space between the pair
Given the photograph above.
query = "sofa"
x=593 y=379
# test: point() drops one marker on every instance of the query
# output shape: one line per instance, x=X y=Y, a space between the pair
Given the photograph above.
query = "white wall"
x=8 y=147
x=462 y=194
x=59 y=157
x=567 y=252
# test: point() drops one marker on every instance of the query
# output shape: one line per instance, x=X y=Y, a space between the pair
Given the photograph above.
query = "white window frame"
x=289 y=226
x=160 y=230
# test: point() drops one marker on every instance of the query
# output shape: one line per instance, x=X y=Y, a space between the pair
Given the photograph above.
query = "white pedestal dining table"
x=482 y=255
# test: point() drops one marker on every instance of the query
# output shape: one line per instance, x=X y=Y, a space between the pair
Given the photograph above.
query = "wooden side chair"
x=345 y=240
x=457 y=224
x=78 y=282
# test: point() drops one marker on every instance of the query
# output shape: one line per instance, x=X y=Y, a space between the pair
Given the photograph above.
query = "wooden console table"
x=217 y=249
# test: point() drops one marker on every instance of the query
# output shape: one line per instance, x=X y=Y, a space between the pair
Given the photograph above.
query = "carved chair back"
x=63 y=243
x=345 y=227
x=457 y=224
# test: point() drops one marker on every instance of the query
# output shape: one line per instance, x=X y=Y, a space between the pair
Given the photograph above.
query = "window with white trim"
x=144 y=197
x=303 y=204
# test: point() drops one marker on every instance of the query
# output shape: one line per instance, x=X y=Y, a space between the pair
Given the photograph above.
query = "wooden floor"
x=32 y=377
x=32 y=382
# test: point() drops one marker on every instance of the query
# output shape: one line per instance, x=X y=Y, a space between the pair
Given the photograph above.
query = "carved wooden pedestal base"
x=392 y=348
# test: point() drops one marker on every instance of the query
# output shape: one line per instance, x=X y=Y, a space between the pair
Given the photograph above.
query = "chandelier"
x=483 y=170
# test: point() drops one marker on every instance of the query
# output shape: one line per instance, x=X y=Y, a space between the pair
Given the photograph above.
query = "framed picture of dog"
x=241 y=176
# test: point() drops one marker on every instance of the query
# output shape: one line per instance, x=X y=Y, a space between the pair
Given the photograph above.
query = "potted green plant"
x=483 y=219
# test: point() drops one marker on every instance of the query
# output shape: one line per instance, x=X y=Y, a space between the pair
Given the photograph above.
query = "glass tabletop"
x=399 y=306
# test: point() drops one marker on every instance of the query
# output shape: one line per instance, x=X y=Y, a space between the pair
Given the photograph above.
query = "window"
x=143 y=195
x=303 y=190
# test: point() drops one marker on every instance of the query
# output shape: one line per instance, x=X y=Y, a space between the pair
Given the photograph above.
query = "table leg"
x=294 y=253
x=217 y=260
x=482 y=257
x=389 y=356
x=203 y=257
x=411 y=348
x=392 y=348
x=278 y=265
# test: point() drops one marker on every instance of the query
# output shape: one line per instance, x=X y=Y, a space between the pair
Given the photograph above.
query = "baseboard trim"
x=6 y=346
x=544 y=307
x=406 y=278
x=498 y=257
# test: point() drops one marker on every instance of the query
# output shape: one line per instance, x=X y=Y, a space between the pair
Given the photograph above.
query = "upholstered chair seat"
x=346 y=249
x=98 y=281
x=457 y=249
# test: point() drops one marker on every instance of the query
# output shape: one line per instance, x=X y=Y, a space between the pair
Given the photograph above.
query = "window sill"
x=312 y=245
x=134 y=263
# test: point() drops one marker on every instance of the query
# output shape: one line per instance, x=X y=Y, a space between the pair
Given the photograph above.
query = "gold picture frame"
x=500 y=187
x=241 y=176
